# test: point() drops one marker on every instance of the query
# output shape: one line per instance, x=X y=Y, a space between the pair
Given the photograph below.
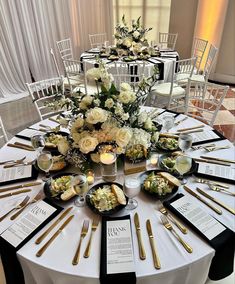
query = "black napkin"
x=224 y=245
x=12 y=268
x=118 y=278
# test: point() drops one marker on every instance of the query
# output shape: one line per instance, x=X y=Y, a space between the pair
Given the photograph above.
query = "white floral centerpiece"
x=110 y=116
x=131 y=40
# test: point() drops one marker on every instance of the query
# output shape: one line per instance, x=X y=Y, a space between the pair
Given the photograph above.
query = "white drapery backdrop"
x=28 y=30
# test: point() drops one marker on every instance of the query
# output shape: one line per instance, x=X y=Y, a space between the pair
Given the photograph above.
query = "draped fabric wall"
x=29 y=28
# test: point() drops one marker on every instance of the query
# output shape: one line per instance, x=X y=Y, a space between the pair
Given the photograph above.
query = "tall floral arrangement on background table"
x=110 y=116
x=131 y=39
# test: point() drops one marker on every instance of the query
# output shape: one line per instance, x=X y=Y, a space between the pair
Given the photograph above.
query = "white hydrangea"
x=93 y=74
x=136 y=34
x=140 y=136
x=125 y=87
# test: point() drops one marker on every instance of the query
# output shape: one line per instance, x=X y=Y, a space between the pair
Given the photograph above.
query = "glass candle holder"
x=154 y=160
x=90 y=176
x=108 y=166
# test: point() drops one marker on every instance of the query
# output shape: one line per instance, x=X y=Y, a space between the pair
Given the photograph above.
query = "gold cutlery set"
x=165 y=221
x=83 y=234
x=215 y=187
x=21 y=146
x=210 y=147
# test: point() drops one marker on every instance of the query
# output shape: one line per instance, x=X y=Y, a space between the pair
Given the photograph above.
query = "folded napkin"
x=223 y=243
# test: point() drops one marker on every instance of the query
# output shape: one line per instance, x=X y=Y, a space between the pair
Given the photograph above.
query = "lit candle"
x=90 y=176
x=154 y=160
x=107 y=158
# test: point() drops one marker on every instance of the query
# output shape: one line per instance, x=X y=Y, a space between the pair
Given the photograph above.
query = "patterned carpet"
x=225 y=119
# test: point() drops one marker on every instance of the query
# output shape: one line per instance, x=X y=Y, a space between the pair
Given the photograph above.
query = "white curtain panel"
x=29 y=28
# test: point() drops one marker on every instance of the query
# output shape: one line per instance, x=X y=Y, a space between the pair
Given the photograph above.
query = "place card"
x=117 y=257
x=28 y=225
x=168 y=113
x=206 y=136
x=17 y=174
x=216 y=172
x=217 y=235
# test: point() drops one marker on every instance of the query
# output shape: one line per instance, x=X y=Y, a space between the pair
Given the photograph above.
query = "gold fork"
x=169 y=227
x=94 y=226
x=84 y=231
x=163 y=210
x=200 y=180
x=35 y=199
x=211 y=149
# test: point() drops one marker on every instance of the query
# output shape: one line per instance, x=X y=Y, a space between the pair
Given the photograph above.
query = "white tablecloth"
x=178 y=266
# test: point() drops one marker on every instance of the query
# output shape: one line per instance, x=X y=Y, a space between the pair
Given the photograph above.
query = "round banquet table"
x=178 y=266
x=164 y=63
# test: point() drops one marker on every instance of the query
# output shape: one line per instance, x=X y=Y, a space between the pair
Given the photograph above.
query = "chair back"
x=210 y=61
x=97 y=40
x=183 y=70
x=167 y=40
x=204 y=101
x=131 y=73
x=198 y=50
x=65 y=48
x=74 y=70
x=55 y=61
x=44 y=92
x=3 y=134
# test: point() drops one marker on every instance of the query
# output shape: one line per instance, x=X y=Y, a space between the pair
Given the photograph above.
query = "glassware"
x=80 y=185
x=38 y=143
x=131 y=189
x=185 y=142
x=168 y=122
x=183 y=164
x=108 y=166
x=90 y=175
x=45 y=162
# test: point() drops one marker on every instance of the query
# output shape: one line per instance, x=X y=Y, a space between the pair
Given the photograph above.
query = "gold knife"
x=217 y=210
x=231 y=210
x=42 y=249
x=24 y=145
x=212 y=162
x=190 y=128
x=42 y=237
x=20 y=147
x=15 y=193
x=142 y=253
x=218 y=159
x=19 y=186
x=156 y=259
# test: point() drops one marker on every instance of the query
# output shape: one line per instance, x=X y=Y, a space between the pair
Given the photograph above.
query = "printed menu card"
x=17 y=174
x=217 y=172
x=27 y=225
x=117 y=258
x=217 y=235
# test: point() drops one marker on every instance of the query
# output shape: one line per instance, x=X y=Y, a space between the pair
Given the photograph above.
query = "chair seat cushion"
x=182 y=78
x=164 y=90
x=198 y=77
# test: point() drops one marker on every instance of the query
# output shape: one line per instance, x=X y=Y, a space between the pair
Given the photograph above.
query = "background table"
x=178 y=266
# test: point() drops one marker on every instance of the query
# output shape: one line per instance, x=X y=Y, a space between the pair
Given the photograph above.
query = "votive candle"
x=154 y=160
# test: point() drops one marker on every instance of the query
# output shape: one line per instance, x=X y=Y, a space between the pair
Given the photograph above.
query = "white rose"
x=136 y=34
x=119 y=42
x=87 y=100
x=97 y=102
x=127 y=42
x=109 y=103
x=93 y=74
x=123 y=136
x=83 y=106
x=63 y=146
x=78 y=123
x=96 y=115
x=125 y=97
x=87 y=144
x=125 y=87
